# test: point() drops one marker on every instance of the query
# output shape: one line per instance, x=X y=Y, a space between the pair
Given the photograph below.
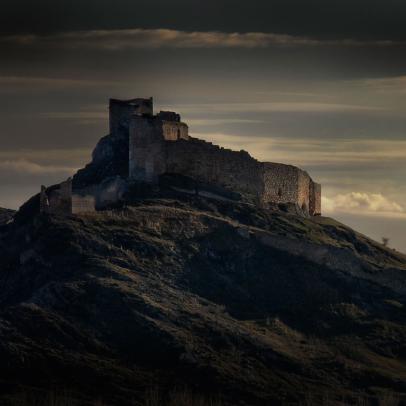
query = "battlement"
x=169 y=116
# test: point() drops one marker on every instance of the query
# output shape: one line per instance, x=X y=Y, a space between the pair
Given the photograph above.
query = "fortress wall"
x=173 y=130
x=212 y=164
x=83 y=203
x=57 y=199
x=280 y=183
x=98 y=196
x=315 y=199
x=146 y=149
x=304 y=182
x=158 y=146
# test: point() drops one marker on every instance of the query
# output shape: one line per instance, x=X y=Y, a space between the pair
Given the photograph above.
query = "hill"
x=190 y=301
x=6 y=215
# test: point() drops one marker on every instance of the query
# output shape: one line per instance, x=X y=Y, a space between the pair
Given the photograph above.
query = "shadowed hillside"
x=5 y=215
x=236 y=304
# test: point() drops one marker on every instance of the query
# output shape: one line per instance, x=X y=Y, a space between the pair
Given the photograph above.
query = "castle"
x=154 y=146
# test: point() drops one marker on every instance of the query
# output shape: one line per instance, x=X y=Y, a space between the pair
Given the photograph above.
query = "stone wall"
x=61 y=199
x=157 y=149
x=99 y=196
x=57 y=199
x=161 y=145
x=83 y=203
x=146 y=149
x=303 y=198
x=315 y=199
x=173 y=130
x=153 y=153
x=280 y=183
x=209 y=163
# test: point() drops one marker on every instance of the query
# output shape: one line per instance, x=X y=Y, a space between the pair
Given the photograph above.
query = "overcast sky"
x=318 y=84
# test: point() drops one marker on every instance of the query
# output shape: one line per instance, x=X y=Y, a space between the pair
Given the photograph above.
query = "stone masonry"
x=60 y=199
x=160 y=145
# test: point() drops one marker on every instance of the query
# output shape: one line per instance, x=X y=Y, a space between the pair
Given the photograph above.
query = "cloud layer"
x=168 y=38
x=23 y=166
x=362 y=203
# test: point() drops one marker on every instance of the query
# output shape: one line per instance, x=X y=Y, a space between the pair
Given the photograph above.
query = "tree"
x=385 y=241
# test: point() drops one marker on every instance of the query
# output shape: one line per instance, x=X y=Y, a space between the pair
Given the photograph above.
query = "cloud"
x=362 y=203
x=219 y=121
x=168 y=38
x=390 y=85
x=49 y=82
x=47 y=159
x=313 y=152
x=276 y=107
x=23 y=166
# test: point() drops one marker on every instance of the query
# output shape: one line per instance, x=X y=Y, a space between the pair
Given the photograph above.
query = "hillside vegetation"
x=218 y=302
x=6 y=215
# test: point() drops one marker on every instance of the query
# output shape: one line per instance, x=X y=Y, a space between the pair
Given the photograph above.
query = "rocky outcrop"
x=109 y=159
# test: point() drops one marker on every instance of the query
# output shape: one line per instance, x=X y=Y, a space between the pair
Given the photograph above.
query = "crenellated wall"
x=212 y=164
x=173 y=130
x=157 y=149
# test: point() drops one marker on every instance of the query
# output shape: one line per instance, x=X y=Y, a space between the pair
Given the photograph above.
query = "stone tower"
x=122 y=110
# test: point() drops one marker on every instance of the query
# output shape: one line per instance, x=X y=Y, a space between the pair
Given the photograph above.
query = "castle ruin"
x=160 y=145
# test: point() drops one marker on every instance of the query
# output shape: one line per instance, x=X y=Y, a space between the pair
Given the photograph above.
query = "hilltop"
x=238 y=304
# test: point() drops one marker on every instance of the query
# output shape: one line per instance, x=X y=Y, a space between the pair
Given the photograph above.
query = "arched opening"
x=304 y=207
x=280 y=192
x=178 y=134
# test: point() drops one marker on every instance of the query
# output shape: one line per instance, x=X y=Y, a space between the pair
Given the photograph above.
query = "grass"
x=153 y=397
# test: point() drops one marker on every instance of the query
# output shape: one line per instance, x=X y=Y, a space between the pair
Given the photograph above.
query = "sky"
x=317 y=84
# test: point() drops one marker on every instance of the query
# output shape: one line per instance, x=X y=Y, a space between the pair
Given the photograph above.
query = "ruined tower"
x=148 y=135
x=121 y=112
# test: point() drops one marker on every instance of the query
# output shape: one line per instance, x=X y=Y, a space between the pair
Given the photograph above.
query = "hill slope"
x=6 y=215
x=243 y=305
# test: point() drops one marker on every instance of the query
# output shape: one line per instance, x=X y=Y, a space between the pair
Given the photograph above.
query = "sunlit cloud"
x=363 y=203
x=159 y=38
x=310 y=151
x=276 y=107
x=51 y=82
x=46 y=159
x=23 y=166
x=391 y=85
x=219 y=121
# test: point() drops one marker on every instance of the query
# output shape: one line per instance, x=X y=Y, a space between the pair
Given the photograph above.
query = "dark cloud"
x=333 y=19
